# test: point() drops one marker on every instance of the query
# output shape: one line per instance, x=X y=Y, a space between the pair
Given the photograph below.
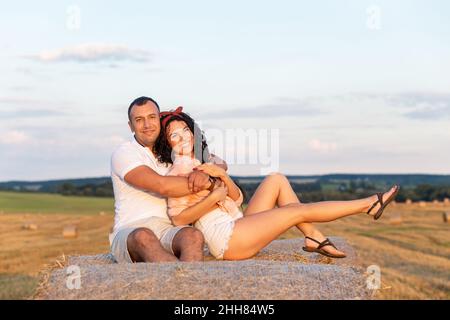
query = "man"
x=142 y=230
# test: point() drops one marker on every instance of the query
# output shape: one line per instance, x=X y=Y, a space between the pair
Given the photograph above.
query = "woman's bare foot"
x=373 y=199
x=317 y=235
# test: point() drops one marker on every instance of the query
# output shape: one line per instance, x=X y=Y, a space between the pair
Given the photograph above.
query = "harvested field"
x=414 y=254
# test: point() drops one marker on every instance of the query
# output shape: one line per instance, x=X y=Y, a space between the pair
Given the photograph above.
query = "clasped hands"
x=200 y=179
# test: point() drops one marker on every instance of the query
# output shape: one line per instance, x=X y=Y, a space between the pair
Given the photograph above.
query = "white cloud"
x=93 y=52
x=14 y=137
x=322 y=147
x=282 y=107
x=419 y=105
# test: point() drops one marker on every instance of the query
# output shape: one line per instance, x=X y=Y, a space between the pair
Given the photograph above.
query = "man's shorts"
x=163 y=229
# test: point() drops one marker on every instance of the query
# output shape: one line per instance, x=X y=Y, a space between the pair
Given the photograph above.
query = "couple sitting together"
x=172 y=197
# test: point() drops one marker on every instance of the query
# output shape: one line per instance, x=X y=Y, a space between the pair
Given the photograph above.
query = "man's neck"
x=150 y=147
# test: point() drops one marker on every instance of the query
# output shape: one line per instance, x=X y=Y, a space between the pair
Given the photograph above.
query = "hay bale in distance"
x=395 y=219
x=408 y=202
x=70 y=232
x=30 y=226
x=422 y=204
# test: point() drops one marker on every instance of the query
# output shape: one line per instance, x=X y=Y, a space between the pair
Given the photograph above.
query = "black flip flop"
x=319 y=249
x=383 y=204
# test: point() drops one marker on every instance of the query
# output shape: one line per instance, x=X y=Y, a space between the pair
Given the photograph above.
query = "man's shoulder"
x=124 y=147
x=125 y=157
x=124 y=154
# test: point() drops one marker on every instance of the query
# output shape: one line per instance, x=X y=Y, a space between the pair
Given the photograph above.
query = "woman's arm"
x=215 y=171
x=198 y=210
x=233 y=190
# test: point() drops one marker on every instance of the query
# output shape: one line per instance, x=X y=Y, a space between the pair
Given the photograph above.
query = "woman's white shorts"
x=217 y=227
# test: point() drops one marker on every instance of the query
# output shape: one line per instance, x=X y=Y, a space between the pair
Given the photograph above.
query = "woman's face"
x=180 y=138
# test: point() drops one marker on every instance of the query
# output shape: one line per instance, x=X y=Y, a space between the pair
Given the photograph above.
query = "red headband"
x=169 y=115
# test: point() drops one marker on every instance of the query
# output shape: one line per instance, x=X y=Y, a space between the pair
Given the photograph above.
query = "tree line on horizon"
x=307 y=192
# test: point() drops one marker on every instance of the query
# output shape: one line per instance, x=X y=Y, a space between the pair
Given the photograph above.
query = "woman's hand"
x=212 y=170
x=220 y=192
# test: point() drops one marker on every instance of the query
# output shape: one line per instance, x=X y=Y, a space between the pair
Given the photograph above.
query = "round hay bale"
x=70 y=232
x=395 y=219
x=276 y=273
x=408 y=202
x=30 y=226
x=436 y=202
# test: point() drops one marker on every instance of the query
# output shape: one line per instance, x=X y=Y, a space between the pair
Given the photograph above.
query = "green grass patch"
x=21 y=202
x=329 y=187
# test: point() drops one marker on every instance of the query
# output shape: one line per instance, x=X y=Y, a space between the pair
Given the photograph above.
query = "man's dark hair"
x=140 y=102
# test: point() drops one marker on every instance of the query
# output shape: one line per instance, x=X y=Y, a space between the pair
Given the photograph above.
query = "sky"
x=299 y=87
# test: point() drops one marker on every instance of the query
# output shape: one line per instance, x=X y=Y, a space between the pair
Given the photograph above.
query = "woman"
x=233 y=234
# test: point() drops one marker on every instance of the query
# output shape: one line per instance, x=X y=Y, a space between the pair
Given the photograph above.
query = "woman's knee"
x=278 y=176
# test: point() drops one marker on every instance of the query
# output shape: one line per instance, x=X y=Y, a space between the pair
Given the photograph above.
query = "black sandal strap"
x=313 y=240
x=380 y=201
x=326 y=242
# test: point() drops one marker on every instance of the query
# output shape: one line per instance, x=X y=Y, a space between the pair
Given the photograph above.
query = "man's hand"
x=198 y=181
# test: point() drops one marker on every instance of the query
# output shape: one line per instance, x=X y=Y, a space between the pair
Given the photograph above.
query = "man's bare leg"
x=144 y=246
x=188 y=244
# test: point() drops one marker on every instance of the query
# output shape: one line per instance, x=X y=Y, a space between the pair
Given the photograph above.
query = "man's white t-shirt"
x=132 y=204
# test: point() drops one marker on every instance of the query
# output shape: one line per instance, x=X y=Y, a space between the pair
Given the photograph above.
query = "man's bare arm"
x=147 y=179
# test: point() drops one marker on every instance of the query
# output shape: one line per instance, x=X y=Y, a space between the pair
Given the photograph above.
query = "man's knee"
x=188 y=244
x=191 y=236
x=142 y=237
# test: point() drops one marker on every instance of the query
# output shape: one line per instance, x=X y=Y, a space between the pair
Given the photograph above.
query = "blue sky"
x=350 y=86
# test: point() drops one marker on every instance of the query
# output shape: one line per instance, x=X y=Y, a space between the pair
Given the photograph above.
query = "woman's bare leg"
x=252 y=233
x=275 y=190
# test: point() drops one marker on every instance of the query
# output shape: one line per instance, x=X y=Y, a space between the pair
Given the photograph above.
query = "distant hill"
x=405 y=180
x=50 y=185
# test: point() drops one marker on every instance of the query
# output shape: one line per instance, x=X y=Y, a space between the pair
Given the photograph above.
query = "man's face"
x=145 y=123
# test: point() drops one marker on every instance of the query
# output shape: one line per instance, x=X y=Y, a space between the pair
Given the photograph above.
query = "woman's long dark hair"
x=163 y=150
